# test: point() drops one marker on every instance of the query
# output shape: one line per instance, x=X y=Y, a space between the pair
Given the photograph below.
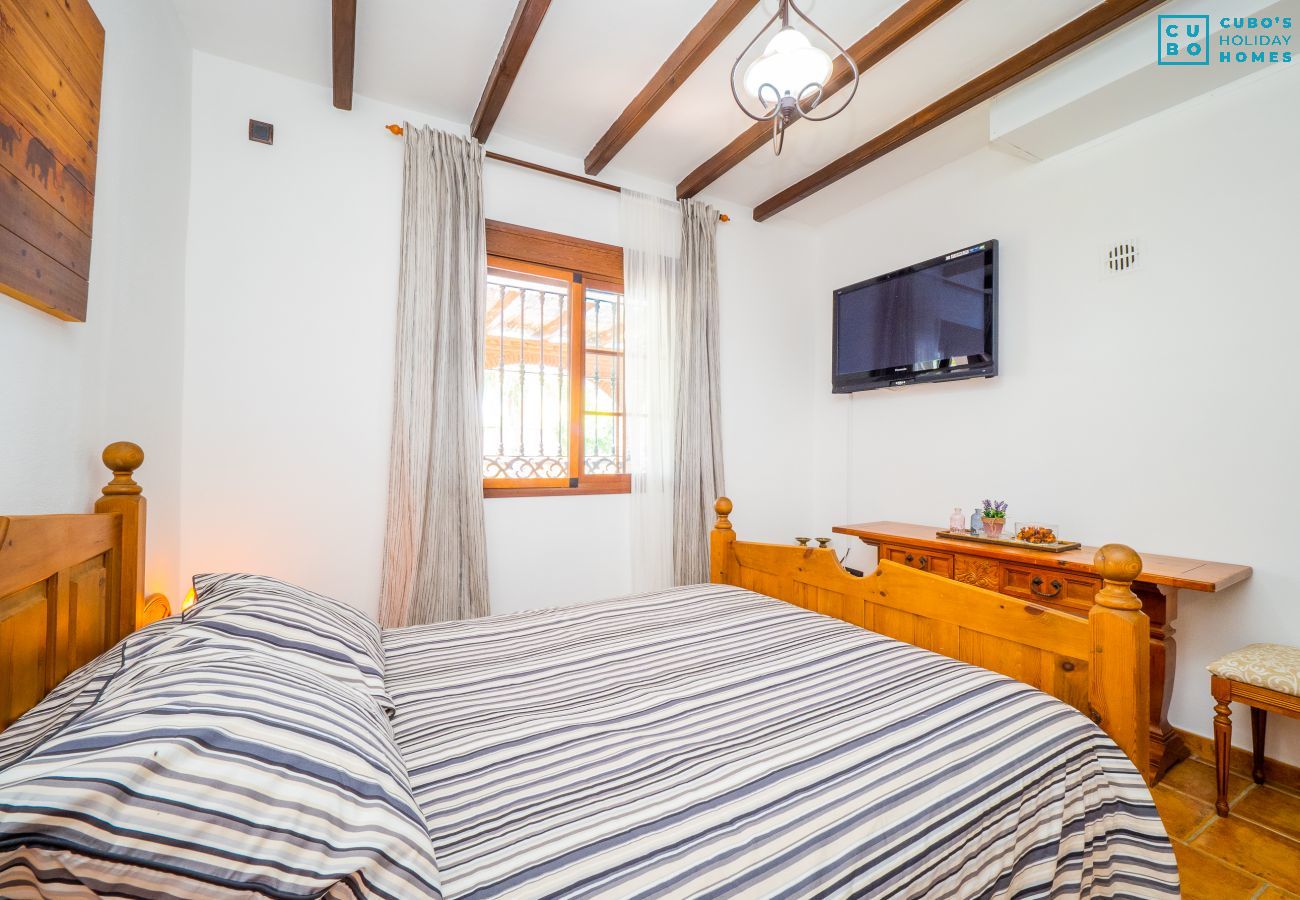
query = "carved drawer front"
x=985 y=573
x=1051 y=587
x=925 y=560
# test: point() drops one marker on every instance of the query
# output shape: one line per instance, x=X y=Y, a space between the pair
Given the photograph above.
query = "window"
x=553 y=394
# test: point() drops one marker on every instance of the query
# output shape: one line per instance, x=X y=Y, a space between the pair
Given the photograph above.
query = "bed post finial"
x=1120 y=668
x=1119 y=566
x=723 y=507
x=723 y=567
x=122 y=458
x=123 y=497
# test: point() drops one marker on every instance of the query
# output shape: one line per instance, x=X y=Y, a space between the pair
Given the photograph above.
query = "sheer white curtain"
x=435 y=550
x=652 y=237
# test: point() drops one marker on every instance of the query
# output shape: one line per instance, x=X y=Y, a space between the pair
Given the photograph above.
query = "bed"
x=790 y=730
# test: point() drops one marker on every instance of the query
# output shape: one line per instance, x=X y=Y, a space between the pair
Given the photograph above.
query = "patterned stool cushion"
x=1272 y=666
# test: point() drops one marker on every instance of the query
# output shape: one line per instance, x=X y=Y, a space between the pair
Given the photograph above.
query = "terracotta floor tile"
x=1180 y=813
x=1206 y=878
x=1270 y=808
x=1273 y=858
x=1191 y=776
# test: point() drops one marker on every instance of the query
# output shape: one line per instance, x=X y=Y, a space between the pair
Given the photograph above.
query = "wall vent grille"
x=1121 y=257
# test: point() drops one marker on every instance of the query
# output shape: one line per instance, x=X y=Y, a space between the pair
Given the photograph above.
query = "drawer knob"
x=908 y=558
x=802 y=541
x=1067 y=666
x=823 y=542
x=924 y=562
x=1036 y=587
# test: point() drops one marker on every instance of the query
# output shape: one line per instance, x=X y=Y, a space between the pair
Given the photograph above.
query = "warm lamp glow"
x=188 y=601
x=790 y=63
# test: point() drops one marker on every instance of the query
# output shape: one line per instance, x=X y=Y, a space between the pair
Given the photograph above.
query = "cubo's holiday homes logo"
x=1187 y=41
x=1183 y=41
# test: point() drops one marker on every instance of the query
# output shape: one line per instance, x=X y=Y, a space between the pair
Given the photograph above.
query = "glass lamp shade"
x=789 y=63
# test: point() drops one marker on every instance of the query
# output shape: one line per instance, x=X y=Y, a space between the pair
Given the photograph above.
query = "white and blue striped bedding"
x=322 y=633
x=198 y=759
x=711 y=742
x=700 y=742
x=75 y=694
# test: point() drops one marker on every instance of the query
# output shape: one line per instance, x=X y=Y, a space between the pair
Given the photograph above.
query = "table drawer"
x=925 y=560
x=1050 y=587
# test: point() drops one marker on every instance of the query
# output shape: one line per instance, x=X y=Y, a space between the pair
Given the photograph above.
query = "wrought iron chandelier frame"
x=783 y=109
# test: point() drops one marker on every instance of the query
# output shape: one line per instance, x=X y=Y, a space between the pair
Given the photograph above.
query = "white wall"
x=292 y=279
x=1157 y=408
x=72 y=388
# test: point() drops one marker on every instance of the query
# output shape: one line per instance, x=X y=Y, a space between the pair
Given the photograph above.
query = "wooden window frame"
x=585 y=264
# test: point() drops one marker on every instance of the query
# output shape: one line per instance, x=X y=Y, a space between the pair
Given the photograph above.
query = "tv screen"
x=934 y=321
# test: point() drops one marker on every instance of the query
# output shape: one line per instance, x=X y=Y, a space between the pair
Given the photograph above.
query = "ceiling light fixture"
x=789 y=77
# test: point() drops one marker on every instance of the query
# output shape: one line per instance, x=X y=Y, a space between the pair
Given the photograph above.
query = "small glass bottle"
x=957 y=521
x=975 y=522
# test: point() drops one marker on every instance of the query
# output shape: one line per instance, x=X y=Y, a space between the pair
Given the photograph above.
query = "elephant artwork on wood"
x=50 y=75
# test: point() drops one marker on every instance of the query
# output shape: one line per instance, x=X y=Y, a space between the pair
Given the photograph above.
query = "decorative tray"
x=1057 y=547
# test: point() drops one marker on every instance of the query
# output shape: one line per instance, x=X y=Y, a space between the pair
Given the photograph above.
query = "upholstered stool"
x=1266 y=677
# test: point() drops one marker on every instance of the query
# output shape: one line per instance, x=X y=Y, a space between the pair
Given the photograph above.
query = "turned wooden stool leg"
x=1221 y=688
x=1258 y=722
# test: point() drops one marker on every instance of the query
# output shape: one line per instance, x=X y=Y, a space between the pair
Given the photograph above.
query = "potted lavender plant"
x=994 y=517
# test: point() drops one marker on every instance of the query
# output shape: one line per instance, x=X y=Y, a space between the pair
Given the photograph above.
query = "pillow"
x=75 y=693
x=206 y=772
x=320 y=632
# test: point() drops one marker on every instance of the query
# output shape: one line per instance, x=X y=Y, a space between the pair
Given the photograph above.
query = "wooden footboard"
x=1098 y=665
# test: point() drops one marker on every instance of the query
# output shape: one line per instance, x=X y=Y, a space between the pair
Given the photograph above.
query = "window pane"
x=604 y=383
x=604 y=317
x=603 y=430
x=603 y=437
x=526 y=377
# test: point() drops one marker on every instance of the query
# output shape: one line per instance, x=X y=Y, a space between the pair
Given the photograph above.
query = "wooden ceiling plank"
x=1075 y=34
x=344 y=50
x=721 y=19
x=519 y=38
x=895 y=30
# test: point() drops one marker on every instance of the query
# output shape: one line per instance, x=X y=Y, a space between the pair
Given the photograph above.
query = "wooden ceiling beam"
x=721 y=19
x=519 y=37
x=344 y=50
x=1097 y=22
x=895 y=30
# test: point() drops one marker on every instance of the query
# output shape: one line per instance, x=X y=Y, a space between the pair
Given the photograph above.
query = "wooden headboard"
x=71 y=586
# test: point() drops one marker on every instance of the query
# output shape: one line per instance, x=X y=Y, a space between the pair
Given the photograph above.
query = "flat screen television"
x=934 y=321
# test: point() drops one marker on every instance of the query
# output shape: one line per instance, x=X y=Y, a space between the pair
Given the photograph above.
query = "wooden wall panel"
x=51 y=67
x=27 y=215
x=30 y=102
x=46 y=65
x=71 y=29
x=38 y=279
x=25 y=158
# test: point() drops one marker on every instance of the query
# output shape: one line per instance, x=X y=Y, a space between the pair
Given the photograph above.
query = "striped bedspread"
x=711 y=742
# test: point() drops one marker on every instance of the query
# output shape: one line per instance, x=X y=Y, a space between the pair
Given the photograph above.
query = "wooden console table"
x=1068 y=582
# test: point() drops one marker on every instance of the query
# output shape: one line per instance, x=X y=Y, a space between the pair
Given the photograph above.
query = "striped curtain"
x=435 y=549
x=699 y=479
